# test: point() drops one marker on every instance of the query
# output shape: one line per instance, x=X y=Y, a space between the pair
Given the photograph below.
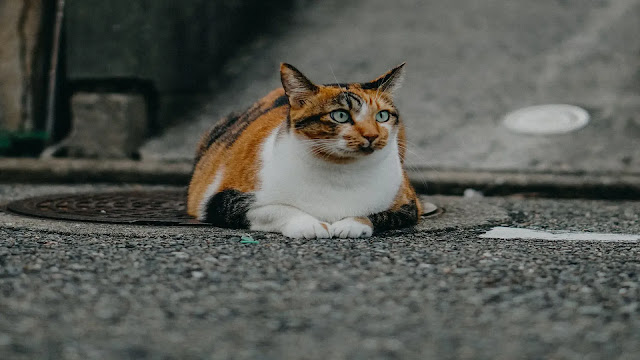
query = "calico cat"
x=308 y=161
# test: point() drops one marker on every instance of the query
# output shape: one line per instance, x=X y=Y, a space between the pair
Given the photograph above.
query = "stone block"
x=177 y=47
x=105 y=126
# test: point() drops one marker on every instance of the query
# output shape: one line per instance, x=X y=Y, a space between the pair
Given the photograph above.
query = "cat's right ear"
x=389 y=82
x=297 y=87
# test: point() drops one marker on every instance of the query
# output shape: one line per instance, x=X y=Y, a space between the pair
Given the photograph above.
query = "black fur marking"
x=341 y=85
x=301 y=124
x=406 y=216
x=280 y=101
x=381 y=83
x=395 y=117
x=353 y=98
x=228 y=209
x=373 y=85
x=216 y=132
x=348 y=100
x=249 y=116
x=245 y=120
x=231 y=127
x=221 y=129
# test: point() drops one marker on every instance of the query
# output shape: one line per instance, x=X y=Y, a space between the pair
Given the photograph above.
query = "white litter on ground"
x=547 y=119
x=472 y=193
x=517 y=233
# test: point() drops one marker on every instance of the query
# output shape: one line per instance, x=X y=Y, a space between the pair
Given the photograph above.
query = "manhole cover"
x=164 y=207
x=430 y=209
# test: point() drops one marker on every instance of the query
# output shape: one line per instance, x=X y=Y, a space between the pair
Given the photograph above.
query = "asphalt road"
x=82 y=291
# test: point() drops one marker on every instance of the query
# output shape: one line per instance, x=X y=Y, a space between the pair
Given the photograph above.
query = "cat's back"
x=227 y=154
x=228 y=129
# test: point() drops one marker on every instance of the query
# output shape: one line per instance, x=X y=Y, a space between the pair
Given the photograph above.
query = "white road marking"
x=517 y=233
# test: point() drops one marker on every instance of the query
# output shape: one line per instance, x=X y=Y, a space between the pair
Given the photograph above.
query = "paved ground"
x=468 y=64
x=83 y=291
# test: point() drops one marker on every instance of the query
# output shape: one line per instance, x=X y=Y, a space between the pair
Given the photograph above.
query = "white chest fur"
x=290 y=175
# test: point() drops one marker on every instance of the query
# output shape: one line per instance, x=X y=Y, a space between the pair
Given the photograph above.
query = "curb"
x=427 y=181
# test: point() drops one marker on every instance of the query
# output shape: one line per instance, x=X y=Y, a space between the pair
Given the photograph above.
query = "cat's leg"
x=227 y=208
x=289 y=221
x=395 y=218
x=404 y=212
x=352 y=227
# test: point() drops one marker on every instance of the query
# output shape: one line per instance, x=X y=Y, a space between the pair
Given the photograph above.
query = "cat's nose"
x=370 y=138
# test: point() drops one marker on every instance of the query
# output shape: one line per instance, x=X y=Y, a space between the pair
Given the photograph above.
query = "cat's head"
x=342 y=122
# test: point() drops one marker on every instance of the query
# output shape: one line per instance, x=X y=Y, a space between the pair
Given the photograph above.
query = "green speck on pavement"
x=248 y=240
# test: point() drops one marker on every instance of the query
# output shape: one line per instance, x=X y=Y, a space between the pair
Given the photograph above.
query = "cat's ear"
x=297 y=87
x=389 y=82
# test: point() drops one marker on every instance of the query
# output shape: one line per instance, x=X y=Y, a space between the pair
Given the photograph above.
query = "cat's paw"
x=306 y=227
x=352 y=228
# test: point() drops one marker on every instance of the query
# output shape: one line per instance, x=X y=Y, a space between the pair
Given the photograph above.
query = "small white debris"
x=507 y=233
x=472 y=193
x=546 y=119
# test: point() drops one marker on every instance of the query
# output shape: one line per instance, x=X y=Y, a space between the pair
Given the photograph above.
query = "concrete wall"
x=21 y=79
x=175 y=46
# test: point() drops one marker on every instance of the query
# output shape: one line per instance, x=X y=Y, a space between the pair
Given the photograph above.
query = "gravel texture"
x=190 y=293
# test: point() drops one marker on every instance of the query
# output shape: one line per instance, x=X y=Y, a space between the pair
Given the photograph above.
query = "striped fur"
x=308 y=161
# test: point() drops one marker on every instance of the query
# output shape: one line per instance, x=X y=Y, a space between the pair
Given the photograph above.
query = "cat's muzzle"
x=366 y=149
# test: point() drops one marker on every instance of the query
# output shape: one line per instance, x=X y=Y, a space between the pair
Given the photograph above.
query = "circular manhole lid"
x=159 y=207
x=547 y=119
x=163 y=207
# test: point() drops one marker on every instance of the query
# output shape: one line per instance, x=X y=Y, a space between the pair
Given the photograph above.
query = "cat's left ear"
x=389 y=82
x=297 y=87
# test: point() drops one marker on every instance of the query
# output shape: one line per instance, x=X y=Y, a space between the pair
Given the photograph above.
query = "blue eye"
x=340 y=116
x=382 y=116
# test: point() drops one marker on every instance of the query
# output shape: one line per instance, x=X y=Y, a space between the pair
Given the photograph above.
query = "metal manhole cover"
x=430 y=209
x=161 y=207
x=164 y=207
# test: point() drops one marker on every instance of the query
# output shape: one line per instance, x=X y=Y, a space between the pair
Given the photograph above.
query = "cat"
x=308 y=161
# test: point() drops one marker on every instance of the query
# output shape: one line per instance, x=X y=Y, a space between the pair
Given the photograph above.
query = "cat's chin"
x=342 y=157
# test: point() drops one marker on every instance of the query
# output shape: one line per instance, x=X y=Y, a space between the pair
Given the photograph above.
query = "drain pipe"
x=53 y=72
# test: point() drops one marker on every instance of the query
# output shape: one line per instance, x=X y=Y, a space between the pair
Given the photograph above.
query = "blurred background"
x=141 y=80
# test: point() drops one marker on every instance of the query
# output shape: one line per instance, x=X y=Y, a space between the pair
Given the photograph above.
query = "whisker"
x=336 y=79
x=382 y=85
x=417 y=167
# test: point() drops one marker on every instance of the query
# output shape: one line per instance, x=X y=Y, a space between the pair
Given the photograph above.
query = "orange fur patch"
x=364 y=220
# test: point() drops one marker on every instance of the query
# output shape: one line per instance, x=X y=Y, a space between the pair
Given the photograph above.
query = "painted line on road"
x=506 y=233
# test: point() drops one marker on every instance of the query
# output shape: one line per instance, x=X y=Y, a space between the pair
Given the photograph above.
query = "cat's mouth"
x=366 y=149
x=344 y=154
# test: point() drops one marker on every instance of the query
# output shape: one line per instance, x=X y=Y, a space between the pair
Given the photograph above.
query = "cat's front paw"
x=352 y=227
x=306 y=227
